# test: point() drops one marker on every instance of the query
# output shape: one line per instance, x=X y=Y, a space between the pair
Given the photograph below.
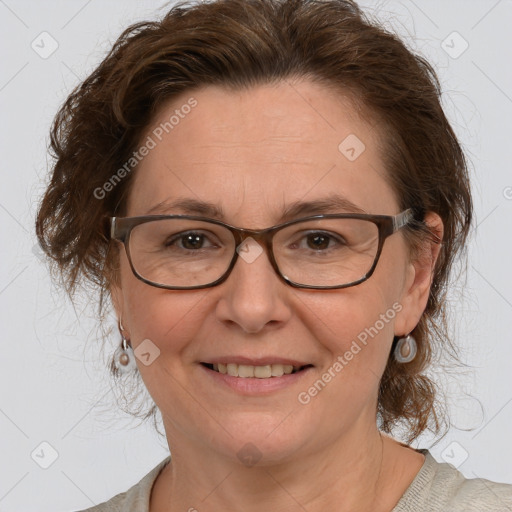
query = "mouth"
x=259 y=372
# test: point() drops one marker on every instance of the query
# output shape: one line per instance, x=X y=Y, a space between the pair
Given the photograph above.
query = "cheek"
x=355 y=326
x=169 y=319
x=355 y=331
x=363 y=316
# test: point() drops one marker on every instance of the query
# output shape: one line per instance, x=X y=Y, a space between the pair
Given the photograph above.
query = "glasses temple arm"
x=402 y=219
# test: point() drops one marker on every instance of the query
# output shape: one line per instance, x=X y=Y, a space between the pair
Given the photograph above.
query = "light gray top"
x=438 y=487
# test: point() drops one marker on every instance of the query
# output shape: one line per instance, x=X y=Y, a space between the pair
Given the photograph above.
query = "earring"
x=124 y=358
x=405 y=350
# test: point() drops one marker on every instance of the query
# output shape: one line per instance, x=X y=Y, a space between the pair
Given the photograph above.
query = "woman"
x=271 y=196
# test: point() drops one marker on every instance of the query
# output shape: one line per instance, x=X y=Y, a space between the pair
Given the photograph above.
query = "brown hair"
x=239 y=44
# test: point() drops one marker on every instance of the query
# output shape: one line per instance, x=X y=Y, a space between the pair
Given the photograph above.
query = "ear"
x=420 y=273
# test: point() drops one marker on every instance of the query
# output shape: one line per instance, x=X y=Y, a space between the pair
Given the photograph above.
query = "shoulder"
x=440 y=487
x=135 y=498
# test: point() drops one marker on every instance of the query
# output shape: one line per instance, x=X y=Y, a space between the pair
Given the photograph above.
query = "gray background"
x=54 y=384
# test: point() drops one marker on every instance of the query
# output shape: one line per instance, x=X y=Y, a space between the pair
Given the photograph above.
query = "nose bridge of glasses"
x=263 y=237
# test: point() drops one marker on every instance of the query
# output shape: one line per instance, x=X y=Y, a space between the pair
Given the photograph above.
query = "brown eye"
x=318 y=241
x=191 y=241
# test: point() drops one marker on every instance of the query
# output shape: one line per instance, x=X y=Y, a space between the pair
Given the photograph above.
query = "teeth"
x=259 y=372
x=263 y=372
x=277 y=370
x=233 y=370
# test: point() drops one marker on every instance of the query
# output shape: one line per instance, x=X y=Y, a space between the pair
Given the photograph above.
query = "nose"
x=253 y=296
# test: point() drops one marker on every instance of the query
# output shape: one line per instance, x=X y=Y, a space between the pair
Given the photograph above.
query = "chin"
x=264 y=439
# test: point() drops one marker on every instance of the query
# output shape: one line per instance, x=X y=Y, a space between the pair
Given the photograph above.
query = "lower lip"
x=253 y=385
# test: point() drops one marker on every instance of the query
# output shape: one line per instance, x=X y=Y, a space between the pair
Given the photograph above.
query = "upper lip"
x=255 y=361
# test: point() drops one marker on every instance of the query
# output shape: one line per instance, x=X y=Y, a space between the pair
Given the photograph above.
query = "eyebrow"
x=332 y=203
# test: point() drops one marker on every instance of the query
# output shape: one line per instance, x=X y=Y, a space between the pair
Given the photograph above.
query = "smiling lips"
x=252 y=371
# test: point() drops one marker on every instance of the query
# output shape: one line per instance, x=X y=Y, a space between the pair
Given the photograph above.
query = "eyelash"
x=303 y=236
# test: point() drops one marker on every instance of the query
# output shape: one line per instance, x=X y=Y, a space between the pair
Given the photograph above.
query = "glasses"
x=183 y=252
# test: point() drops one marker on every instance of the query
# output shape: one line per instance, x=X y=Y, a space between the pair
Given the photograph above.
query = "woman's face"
x=253 y=154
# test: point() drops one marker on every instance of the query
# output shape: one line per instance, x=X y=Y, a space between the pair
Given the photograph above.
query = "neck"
x=353 y=474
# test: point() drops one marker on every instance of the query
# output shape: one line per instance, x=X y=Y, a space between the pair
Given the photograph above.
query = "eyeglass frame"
x=121 y=228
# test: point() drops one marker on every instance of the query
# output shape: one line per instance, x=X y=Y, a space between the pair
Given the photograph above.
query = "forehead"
x=255 y=151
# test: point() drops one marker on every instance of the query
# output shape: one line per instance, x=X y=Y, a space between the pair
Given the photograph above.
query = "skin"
x=253 y=152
